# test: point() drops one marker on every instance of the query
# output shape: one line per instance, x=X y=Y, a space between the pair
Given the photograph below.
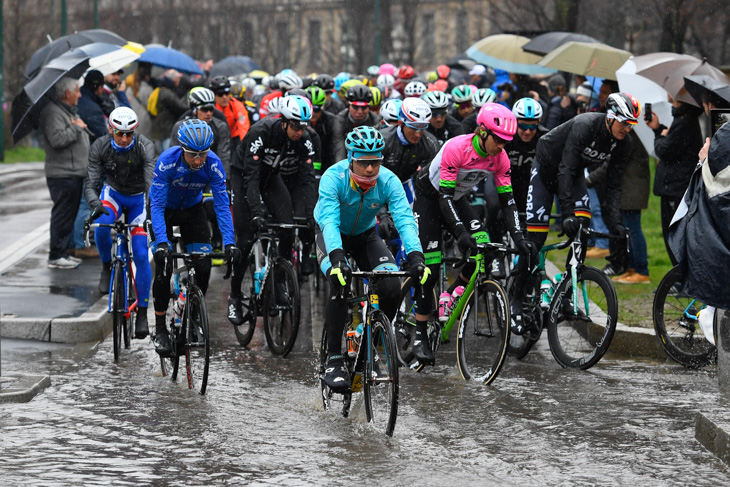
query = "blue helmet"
x=195 y=135
x=365 y=139
x=527 y=108
x=341 y=78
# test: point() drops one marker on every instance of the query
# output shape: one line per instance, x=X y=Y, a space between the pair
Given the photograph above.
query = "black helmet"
x=219 y=84
x=299 y=92
x=325 y=81
x=359 y=93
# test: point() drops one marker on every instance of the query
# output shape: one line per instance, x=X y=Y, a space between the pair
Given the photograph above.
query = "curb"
x=22 y=388
x=711 y=432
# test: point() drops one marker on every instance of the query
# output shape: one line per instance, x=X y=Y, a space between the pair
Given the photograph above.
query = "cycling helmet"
x=498 y=119
x=482 y=96
x=237 y=90
x=344 y=88
x=527 y=109
x=123 y=118
x=373 y=70
x=387 y=68
x=201 y=97
x=623 y=107
x=385 y=80
x=390 y=111
x=307 y=81
x=415 y=113
x=406 y=72
x=436 y=100
x=339 y=79
x=377 y=97
x=195 y=135
x=273 y=82
x=249 y=83
x=289 y=81
x=273 y=106
x=415 y=88
x=461 y=94
x=365 y=139
x=319 y=98
x=431 y=76
x=386 y=92
x=296 y=108
x=443 y=71
x=364 y=80
x=219 y=84
x=359 y=94
x=298 y=92
x=325 y=82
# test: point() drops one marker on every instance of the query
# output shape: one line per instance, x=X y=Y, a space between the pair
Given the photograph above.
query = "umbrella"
x=461 y=61
x=169 y=58
x=646 y=91
x=27 y=106
x=63 y=44
x=108 y=58
x=668 y=70
x=504 y=51
x=233 y=66
x=544 y=43
x=698 y=84
x=258 y=74
x=587 y=59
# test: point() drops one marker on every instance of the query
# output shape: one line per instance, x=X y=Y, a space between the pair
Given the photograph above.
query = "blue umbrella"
x=167 y=57
x=233 y=65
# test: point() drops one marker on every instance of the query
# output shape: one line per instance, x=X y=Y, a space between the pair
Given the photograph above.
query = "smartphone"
x=647 y=112
x=718 y=118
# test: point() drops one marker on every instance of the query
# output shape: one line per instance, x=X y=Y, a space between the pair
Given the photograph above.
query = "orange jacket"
x=237 y=117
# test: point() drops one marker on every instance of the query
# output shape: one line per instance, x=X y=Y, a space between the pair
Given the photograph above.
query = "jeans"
x=638 y=257
x=77 y=237
x=66 y=195
x=597 y=222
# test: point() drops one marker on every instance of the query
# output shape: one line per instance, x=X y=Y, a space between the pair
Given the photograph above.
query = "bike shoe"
x=517 y=325
x=163 y=346
x=141 y=328
x=309 y=266
x=106 y=275
x=422 y=351
x=497 y=269
x=376 y=366
x=282 y=296
x=235 y=311
x=335 y=375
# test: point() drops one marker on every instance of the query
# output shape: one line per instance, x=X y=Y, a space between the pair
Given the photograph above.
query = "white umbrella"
x=109 y=58
x=646 y=91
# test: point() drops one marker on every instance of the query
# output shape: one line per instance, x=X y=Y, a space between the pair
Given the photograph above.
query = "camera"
x=718 y=118
x=507 y=86
x=647 y=112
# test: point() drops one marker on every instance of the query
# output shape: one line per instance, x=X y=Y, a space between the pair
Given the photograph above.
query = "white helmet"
x=437 y=100
x=249 y=83
x=415 y=113
x=289 y=81
x=123 y=118
x=415 y=88
x=390 y=111
x=295 y=107
x=483 y=96
x=274 y=106
x=385 y=80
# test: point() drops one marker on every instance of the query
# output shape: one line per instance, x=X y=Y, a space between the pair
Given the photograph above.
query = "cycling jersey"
x=221 y=136
x=521 y=154
x=404 y=158
x=176 y=187
x=344 y=124
x=449 y=130
x=325 y=128
x=237 y=119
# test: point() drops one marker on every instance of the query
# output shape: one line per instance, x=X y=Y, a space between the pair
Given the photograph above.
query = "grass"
x=22 y=153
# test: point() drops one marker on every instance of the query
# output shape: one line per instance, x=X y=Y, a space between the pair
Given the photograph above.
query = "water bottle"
x=546 y=292
x=258 y=276
x=353 y=341
x=177 y=308
x=455 y=296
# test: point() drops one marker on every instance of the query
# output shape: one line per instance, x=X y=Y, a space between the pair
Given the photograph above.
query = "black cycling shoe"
x=335 y=375
x=106 y=275
x=141 y=327
x=497 y=269
x=376 y=366
x=282 y=296
x=235 y=311
x=517 y=324
x=163 y=346
x=309 y=266
x=422 y=350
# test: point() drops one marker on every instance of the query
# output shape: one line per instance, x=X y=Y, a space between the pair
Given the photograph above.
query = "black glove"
x=233 y=254
x=97 y=211
x=571 y=224
x=161 y=254
x=340 y=273
x=258 y=223
x=528 y=248
x=465 y=242
x=620 y=230
x=420 y=273
x=386 y=227
x=311 y=223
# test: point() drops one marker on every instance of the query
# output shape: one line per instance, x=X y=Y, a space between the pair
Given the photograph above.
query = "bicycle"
x=580 y=311
x=374 y=368
x=187 y=321
x=280 y=321
x=122 y=289
x=676 y=324
x=483 y=315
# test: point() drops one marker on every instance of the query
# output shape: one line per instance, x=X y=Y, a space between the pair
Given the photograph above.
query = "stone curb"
x=711 y=432
x=22 y=388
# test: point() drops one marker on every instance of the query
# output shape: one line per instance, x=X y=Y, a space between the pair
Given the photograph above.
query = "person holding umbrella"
x=67 y=156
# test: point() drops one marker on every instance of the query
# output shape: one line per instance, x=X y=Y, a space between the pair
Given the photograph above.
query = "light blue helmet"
x=482 y=96
x=365 y=139
x=390 y=111
x=296 y=108
x=341 y=78
x=528 y=109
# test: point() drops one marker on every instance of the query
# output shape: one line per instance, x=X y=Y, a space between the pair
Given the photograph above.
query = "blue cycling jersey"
x=343 y=208
x=175 y=186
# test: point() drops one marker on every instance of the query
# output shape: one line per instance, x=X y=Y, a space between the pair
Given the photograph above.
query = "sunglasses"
x=364 y=163
x=527 y=126
x=124 y=133
x=297 y=126
x=316 y=108
x=420 y=126
x=206 y=109
x=222 y=93
x=464 y=105
x=358 y=108
x=196 y=154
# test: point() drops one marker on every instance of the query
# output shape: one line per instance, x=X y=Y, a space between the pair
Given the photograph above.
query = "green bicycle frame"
x=461 y=304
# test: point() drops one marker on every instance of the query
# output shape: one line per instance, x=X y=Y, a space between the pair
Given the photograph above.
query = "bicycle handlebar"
x=212 y=255
x=119 y=225
x=380 y=274
x=485 y=248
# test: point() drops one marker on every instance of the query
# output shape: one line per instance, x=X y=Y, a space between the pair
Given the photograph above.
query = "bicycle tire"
x=169 y=365
x=581 y=341
x=484 y=333
x=404 y=323
x=119 y=307
x=197 y=341
x=520 y=345
x=676 y=325
x=244 y=332
x=281 y=322
x=131 y=298
x=381 y=392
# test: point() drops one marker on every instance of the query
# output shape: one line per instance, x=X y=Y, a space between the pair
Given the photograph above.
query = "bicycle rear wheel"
x=281 y=308
x=483 y=333
x=244 y=331
x=381 y=379
x=197 y=343
x=119 y=307
x=131 y=298
x=676 y=325
x=579 y=340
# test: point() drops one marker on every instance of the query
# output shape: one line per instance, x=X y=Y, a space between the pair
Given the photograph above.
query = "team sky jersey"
x=521 y=154
x=176 y=187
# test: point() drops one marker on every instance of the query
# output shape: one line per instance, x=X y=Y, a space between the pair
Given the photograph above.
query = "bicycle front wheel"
x=381 y=380
x=676 y=325
x=281 y=308
x=580 y=331
x=169 y=364
x=244 y=331
x=197 y=343
x=131 y=298
x=483 y=333
x=119 y=307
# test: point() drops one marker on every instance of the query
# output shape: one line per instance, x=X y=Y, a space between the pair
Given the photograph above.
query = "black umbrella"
x=50 y=51
x=233 y=66
x=698 y=84
x=27 y=106
x=547 y=42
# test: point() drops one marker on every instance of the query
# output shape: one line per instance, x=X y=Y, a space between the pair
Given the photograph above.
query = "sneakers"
x=64 y=263
x=106 y=275
x=163 y=346
x=597 y=253
x=611 y=270
x=235 y=311
x=335 y=375
x=141 y=328
x=422 y=350
x=634 y=278
x=625 y=274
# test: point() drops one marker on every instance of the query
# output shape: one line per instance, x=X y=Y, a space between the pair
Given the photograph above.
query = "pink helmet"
x=387 y=68
x=499 y=119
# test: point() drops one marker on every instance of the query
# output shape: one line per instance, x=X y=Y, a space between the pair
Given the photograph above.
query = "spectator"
x=561 y=107
x=139 y=89
x=115 y=92
x=585 y=97
x=90 y=104
x=478 y=76
x=166 y=108
x=67 y=156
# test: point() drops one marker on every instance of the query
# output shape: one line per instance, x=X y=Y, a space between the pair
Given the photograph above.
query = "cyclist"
x=332 y=105
x=405 y=75
x=273 y=170
x=478 y=99
x=385 y=83
x=415 y=89
x=176 y=198
x=563 y=154
x=235 y=111
x=357 y=114
x=377 y=100
x=390 y=111
x=323 y=123
x=350 y=194
x=126 y=162
x=440 y=189
x=443 y=126
x=463 y=107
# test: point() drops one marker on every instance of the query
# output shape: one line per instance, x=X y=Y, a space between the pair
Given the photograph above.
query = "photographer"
x=561 y=107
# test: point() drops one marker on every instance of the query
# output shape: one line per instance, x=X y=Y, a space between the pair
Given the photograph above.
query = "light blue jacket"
x=344 y=209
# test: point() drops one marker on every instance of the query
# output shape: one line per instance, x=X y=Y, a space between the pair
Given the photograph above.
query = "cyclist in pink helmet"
x=387 y=68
